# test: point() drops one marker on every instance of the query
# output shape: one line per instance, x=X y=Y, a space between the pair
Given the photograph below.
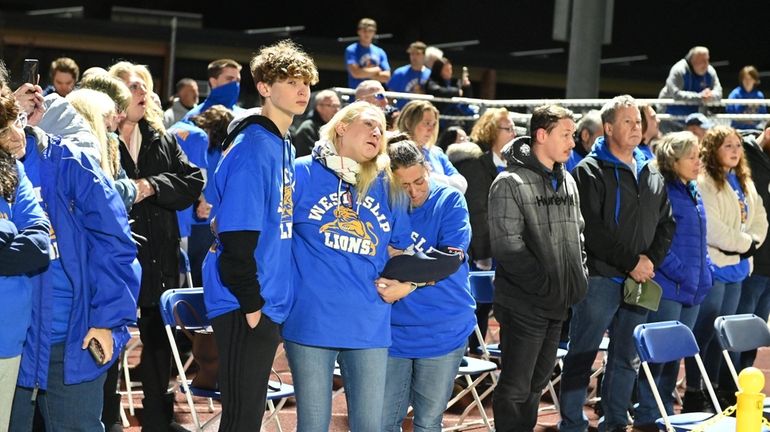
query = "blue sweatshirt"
x=252 y=191
x=339 y=249
x=436 y=319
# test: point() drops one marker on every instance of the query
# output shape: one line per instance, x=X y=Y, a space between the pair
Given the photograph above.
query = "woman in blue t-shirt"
x=736 y=226
x=420 y=120
x=348 y=215
x=430 y=326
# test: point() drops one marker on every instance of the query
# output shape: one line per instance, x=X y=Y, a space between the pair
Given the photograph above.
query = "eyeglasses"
x=379 y=96
x=333 y=105
x=507 y=129
x=20 y=122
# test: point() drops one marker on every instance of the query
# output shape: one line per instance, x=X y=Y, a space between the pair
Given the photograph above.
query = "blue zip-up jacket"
x=98 y=256
x=624 y=217
x=23 y=249
x=685 y=274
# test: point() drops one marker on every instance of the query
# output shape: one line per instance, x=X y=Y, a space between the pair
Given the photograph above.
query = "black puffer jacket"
x=536 y=232
x=177 y=184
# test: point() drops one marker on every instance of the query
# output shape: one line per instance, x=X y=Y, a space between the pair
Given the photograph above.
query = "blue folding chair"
x=667 y=341
x=277 y=391
x=739 y=333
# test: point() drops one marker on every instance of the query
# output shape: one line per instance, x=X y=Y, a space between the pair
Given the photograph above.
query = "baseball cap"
x=698 y=119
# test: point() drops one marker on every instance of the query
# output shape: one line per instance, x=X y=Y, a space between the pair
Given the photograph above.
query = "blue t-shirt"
x=735 y=272
x=364 y=57
x=435 y=320
x=439 y=162
x=740 y=93
x=252 y=191
x=339 y=249
x=405 y=79
x=16 y=290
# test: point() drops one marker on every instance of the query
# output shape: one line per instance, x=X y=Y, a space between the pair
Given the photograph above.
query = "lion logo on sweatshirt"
x=347 y=232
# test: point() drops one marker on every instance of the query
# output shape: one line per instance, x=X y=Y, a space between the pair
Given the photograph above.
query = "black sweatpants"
x=245 y=359
x=158 y=403
x=528 y=343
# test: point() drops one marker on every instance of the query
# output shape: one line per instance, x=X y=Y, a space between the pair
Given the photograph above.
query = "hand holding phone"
x=99 y=342
x=30 y=71
x=97 y=352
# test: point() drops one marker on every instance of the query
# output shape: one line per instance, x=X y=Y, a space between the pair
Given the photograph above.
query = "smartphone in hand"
x=30 y=72
x=97 y=352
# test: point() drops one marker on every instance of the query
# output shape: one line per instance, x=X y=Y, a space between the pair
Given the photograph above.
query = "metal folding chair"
x=667 y=341
x=194 y=297
x=739 y=333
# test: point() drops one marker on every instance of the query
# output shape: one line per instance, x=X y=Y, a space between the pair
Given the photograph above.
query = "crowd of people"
x=350 y=236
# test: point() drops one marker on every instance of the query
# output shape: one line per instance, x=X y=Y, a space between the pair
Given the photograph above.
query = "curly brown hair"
x=9 y=176
x=712 y=141
x=283 y=60
x=484 y=132
x=214 y=121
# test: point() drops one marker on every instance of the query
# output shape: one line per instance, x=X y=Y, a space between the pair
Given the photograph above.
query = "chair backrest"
x=192 y=296
x=665 y=341
x=482 y=289
x=738 y=333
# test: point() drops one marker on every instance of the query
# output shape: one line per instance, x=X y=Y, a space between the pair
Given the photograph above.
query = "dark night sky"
x=663 y=30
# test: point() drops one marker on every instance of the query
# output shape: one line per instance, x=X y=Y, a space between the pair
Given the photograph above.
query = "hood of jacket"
x=463 y=151
x=601 y=151
x=519 y=153
x=61 y=118
x=226 y=95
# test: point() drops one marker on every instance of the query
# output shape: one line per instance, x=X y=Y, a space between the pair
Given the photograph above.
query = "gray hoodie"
x=536 y=234
x=60 y=118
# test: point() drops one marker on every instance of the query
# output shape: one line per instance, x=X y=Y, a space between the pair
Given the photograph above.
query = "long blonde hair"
x=153 y=112
x=371 y=168
x=411 y=116
x=95 y=106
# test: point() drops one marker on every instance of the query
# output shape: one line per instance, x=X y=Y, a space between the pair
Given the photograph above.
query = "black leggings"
x=245 y=359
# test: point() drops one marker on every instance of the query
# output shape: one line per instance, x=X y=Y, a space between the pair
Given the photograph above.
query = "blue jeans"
x=755 y=298
x=601 y=309
x=664 y=374
x=721 y=300
x=363 y=372
x=425 y=384
x=76 y=407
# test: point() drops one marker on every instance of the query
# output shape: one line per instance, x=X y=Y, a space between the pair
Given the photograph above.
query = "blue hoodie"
x=94 y=244
x=23 y=249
